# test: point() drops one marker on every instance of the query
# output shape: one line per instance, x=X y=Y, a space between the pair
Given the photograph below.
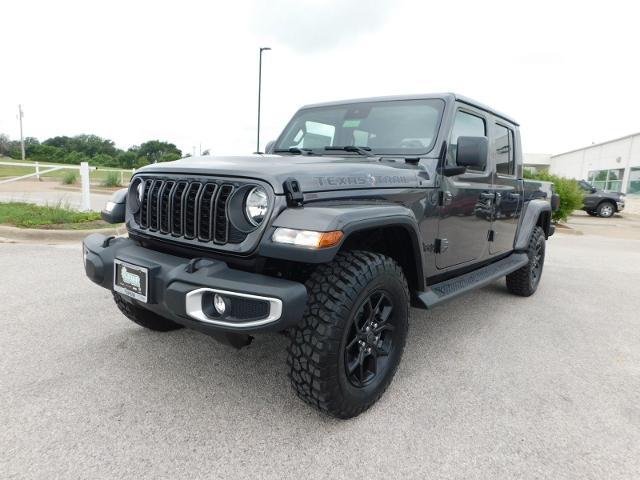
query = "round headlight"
x=256 y=205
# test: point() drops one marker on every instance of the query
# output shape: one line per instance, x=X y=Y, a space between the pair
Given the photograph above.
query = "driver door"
x=465 y=200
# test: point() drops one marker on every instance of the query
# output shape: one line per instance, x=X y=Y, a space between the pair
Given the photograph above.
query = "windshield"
x=395 y=127
x=586 y=185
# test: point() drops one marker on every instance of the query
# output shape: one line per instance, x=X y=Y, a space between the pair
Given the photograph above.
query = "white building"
x=613 y=165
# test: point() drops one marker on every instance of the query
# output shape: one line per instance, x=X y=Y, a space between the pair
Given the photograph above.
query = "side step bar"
x=441 y=292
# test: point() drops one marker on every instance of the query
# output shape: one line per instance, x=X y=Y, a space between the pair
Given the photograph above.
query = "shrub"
x=571 y=195
x=111 y=180
x=69 y=178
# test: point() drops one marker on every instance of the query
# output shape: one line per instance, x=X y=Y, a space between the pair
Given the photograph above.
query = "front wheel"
x=344 y=354
x=524 y=281
x=606 y=209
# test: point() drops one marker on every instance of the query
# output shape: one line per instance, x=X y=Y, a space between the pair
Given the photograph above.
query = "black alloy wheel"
x=370 y=340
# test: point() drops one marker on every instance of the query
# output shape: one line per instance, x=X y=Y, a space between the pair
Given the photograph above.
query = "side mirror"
x=472 y=152
x=594 y=189
x=114 y=209
x=555 y=202
x=269 y=146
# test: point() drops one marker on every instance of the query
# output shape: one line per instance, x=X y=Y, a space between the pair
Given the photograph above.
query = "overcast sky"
x=186 y=71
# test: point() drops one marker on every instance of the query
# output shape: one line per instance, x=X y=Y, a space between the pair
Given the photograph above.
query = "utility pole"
x=20 y=115
x=259 y=92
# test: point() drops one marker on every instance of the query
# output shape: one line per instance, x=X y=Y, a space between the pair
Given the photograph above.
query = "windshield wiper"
x=366 y=151
x=296 y=150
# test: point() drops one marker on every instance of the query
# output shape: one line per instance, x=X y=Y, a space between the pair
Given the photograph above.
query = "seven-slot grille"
x=193 y=210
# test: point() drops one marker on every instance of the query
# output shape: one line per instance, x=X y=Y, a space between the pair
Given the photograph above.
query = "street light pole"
x=20 y=115
x=259 y=92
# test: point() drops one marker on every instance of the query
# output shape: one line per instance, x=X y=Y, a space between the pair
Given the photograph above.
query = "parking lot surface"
x=490 y=386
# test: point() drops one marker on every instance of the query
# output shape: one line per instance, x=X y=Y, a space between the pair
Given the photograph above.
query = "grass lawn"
x=27 y=215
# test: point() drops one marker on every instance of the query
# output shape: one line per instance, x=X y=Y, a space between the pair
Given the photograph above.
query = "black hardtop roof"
x=444 y=96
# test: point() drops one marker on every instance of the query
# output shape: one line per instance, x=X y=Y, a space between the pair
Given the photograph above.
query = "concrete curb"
x=53 y=236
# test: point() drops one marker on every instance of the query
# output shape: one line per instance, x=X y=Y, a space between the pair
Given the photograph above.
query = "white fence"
x=84 y=169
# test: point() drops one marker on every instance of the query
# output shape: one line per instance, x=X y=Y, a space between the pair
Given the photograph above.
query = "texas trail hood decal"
x=314 y=173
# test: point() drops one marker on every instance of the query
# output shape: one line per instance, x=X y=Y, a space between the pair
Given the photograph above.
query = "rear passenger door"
x=507 y=187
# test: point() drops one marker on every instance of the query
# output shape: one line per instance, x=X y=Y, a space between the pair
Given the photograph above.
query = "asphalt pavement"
x=490 y=386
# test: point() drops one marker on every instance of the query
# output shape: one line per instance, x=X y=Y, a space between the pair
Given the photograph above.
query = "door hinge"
x=491 y=236
x=441 y=245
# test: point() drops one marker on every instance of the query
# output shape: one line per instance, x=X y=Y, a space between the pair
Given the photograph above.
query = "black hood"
x=314 y=173
x=617 y=196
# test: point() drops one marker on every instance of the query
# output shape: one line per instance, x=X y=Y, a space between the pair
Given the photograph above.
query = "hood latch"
x=295 y=197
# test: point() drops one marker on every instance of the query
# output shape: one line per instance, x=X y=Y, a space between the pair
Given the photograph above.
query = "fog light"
x=219 y=304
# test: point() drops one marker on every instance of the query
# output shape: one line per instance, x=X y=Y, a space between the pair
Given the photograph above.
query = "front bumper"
x=177 y=294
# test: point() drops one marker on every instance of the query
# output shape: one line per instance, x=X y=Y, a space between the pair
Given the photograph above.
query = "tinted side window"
x=464 y=125
x=504 y=150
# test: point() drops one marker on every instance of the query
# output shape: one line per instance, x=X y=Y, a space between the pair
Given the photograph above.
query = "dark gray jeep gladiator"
x=359 y=210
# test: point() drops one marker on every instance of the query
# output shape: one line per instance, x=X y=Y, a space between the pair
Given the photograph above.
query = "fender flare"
x=347 y=218
x=529 y=219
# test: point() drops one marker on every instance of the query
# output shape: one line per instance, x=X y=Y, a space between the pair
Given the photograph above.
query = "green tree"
x=156 y=151
x=45 y=153
x=127 y=159
x=92 y=145
x=5 y=144
x=104 y=160
x=75 y=158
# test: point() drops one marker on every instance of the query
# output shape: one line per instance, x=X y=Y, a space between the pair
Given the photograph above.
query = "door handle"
x=446 y=198
x=487 y=195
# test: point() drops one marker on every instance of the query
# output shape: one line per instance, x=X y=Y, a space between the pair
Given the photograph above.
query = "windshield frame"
x=387 y=152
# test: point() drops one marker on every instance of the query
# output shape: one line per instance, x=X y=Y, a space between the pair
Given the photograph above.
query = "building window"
x=504 y=150
x=609 y=180
x=634 y=180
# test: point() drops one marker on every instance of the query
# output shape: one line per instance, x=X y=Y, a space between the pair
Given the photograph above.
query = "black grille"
x=221 y=229
x=193 y=210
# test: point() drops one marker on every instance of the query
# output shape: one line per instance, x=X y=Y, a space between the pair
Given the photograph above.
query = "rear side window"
x=504 y=152
x=464 y=125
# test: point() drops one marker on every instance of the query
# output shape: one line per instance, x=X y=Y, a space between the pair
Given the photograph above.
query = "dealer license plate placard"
x=130 y=280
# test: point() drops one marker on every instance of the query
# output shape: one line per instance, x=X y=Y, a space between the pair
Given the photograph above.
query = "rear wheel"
x=344 y=354
x=606 y=209
x=144 y=317
x=525 y=280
